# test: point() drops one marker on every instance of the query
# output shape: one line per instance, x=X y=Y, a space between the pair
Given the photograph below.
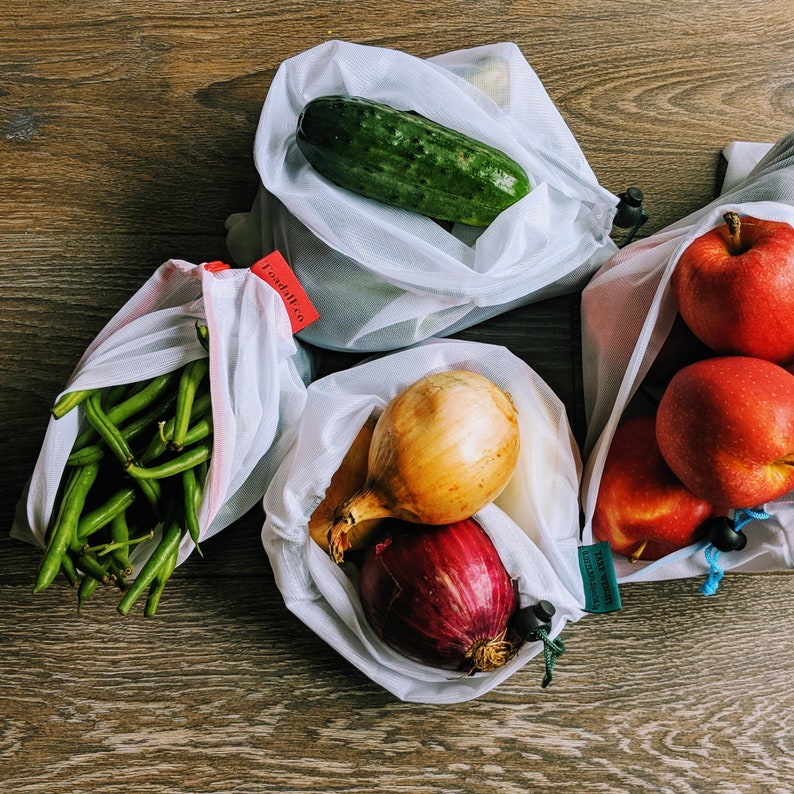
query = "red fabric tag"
x=216 y=265
x=274 y=269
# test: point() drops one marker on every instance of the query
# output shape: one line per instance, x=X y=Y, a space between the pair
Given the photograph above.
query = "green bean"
x=115 y=417
x=158 y=583
x=131 y=431
x=120 y=448
x=191 y=494
x=153 y=493
x=65 y=527
x=191 y=457
x=101 y=516
x=110 y=434
x=202 y=471
x=144 y=421
x=69 y=571
x=86 y=436
x=118 y=572
x=66 y=486
x=192 y=375
x=93 y=453
x=120 y=536
x=142 y=395
x=86 y=588
x=101 y=575
x=198 y=432
x=203 y=333
x=106 y=548
x=170 y=540
x=91 y=565
x=114 y=394
x=68 y=401
x=202 y=406
x=129 y=390
x=142 y=399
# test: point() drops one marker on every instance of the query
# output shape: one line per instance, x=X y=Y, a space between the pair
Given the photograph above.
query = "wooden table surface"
x=126 y=134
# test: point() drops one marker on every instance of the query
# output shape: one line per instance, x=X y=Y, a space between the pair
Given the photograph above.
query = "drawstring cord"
x=552 y=650
x=712 y=554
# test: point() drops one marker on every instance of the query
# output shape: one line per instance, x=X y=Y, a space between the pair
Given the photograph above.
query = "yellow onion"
x=442 y=449
x=347 y=479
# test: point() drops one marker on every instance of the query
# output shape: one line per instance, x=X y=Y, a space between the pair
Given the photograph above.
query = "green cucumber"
x=405 y=160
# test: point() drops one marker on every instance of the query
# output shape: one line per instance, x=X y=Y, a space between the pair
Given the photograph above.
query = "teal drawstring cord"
x=712 y=554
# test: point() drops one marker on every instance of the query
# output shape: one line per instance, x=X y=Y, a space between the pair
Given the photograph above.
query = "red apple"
x=642 y=508
x=734 y=287
x=725 y=426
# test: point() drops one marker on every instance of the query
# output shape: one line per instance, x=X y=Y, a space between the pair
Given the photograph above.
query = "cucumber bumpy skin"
x=405 y=160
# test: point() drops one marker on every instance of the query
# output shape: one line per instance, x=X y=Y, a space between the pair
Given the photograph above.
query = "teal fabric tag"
x=601 y=591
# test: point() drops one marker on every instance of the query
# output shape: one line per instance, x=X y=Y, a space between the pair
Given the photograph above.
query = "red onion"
x=439 y=594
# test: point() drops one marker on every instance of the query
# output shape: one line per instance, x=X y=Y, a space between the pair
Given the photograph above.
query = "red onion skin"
x=433 y=592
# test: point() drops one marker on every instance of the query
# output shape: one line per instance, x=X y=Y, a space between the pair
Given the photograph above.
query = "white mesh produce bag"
x=627 y=312
x=383 y=278
x=257 y=383
x=534 y=524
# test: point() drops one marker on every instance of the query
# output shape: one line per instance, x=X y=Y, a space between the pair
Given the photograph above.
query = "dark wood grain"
x=126 y=136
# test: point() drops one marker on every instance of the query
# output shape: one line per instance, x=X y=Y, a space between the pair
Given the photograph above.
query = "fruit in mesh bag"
x=725 y=426
x=643 y=510
x=734 y=287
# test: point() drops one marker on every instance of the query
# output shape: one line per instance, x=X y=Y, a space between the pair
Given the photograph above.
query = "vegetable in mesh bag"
x=407 y=161
x=382 y=276
x=523 y=530
x=643 y=363
x=169 y=430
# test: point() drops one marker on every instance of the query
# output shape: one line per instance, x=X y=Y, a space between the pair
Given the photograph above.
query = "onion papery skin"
x=346 y=480
x=443 y=448
x=439 y=595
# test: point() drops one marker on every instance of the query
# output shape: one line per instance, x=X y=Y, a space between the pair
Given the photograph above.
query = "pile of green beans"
x=140 y=461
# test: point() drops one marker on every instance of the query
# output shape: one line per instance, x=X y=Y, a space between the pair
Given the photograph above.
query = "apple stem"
x=734 y=229
x=637 y=553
